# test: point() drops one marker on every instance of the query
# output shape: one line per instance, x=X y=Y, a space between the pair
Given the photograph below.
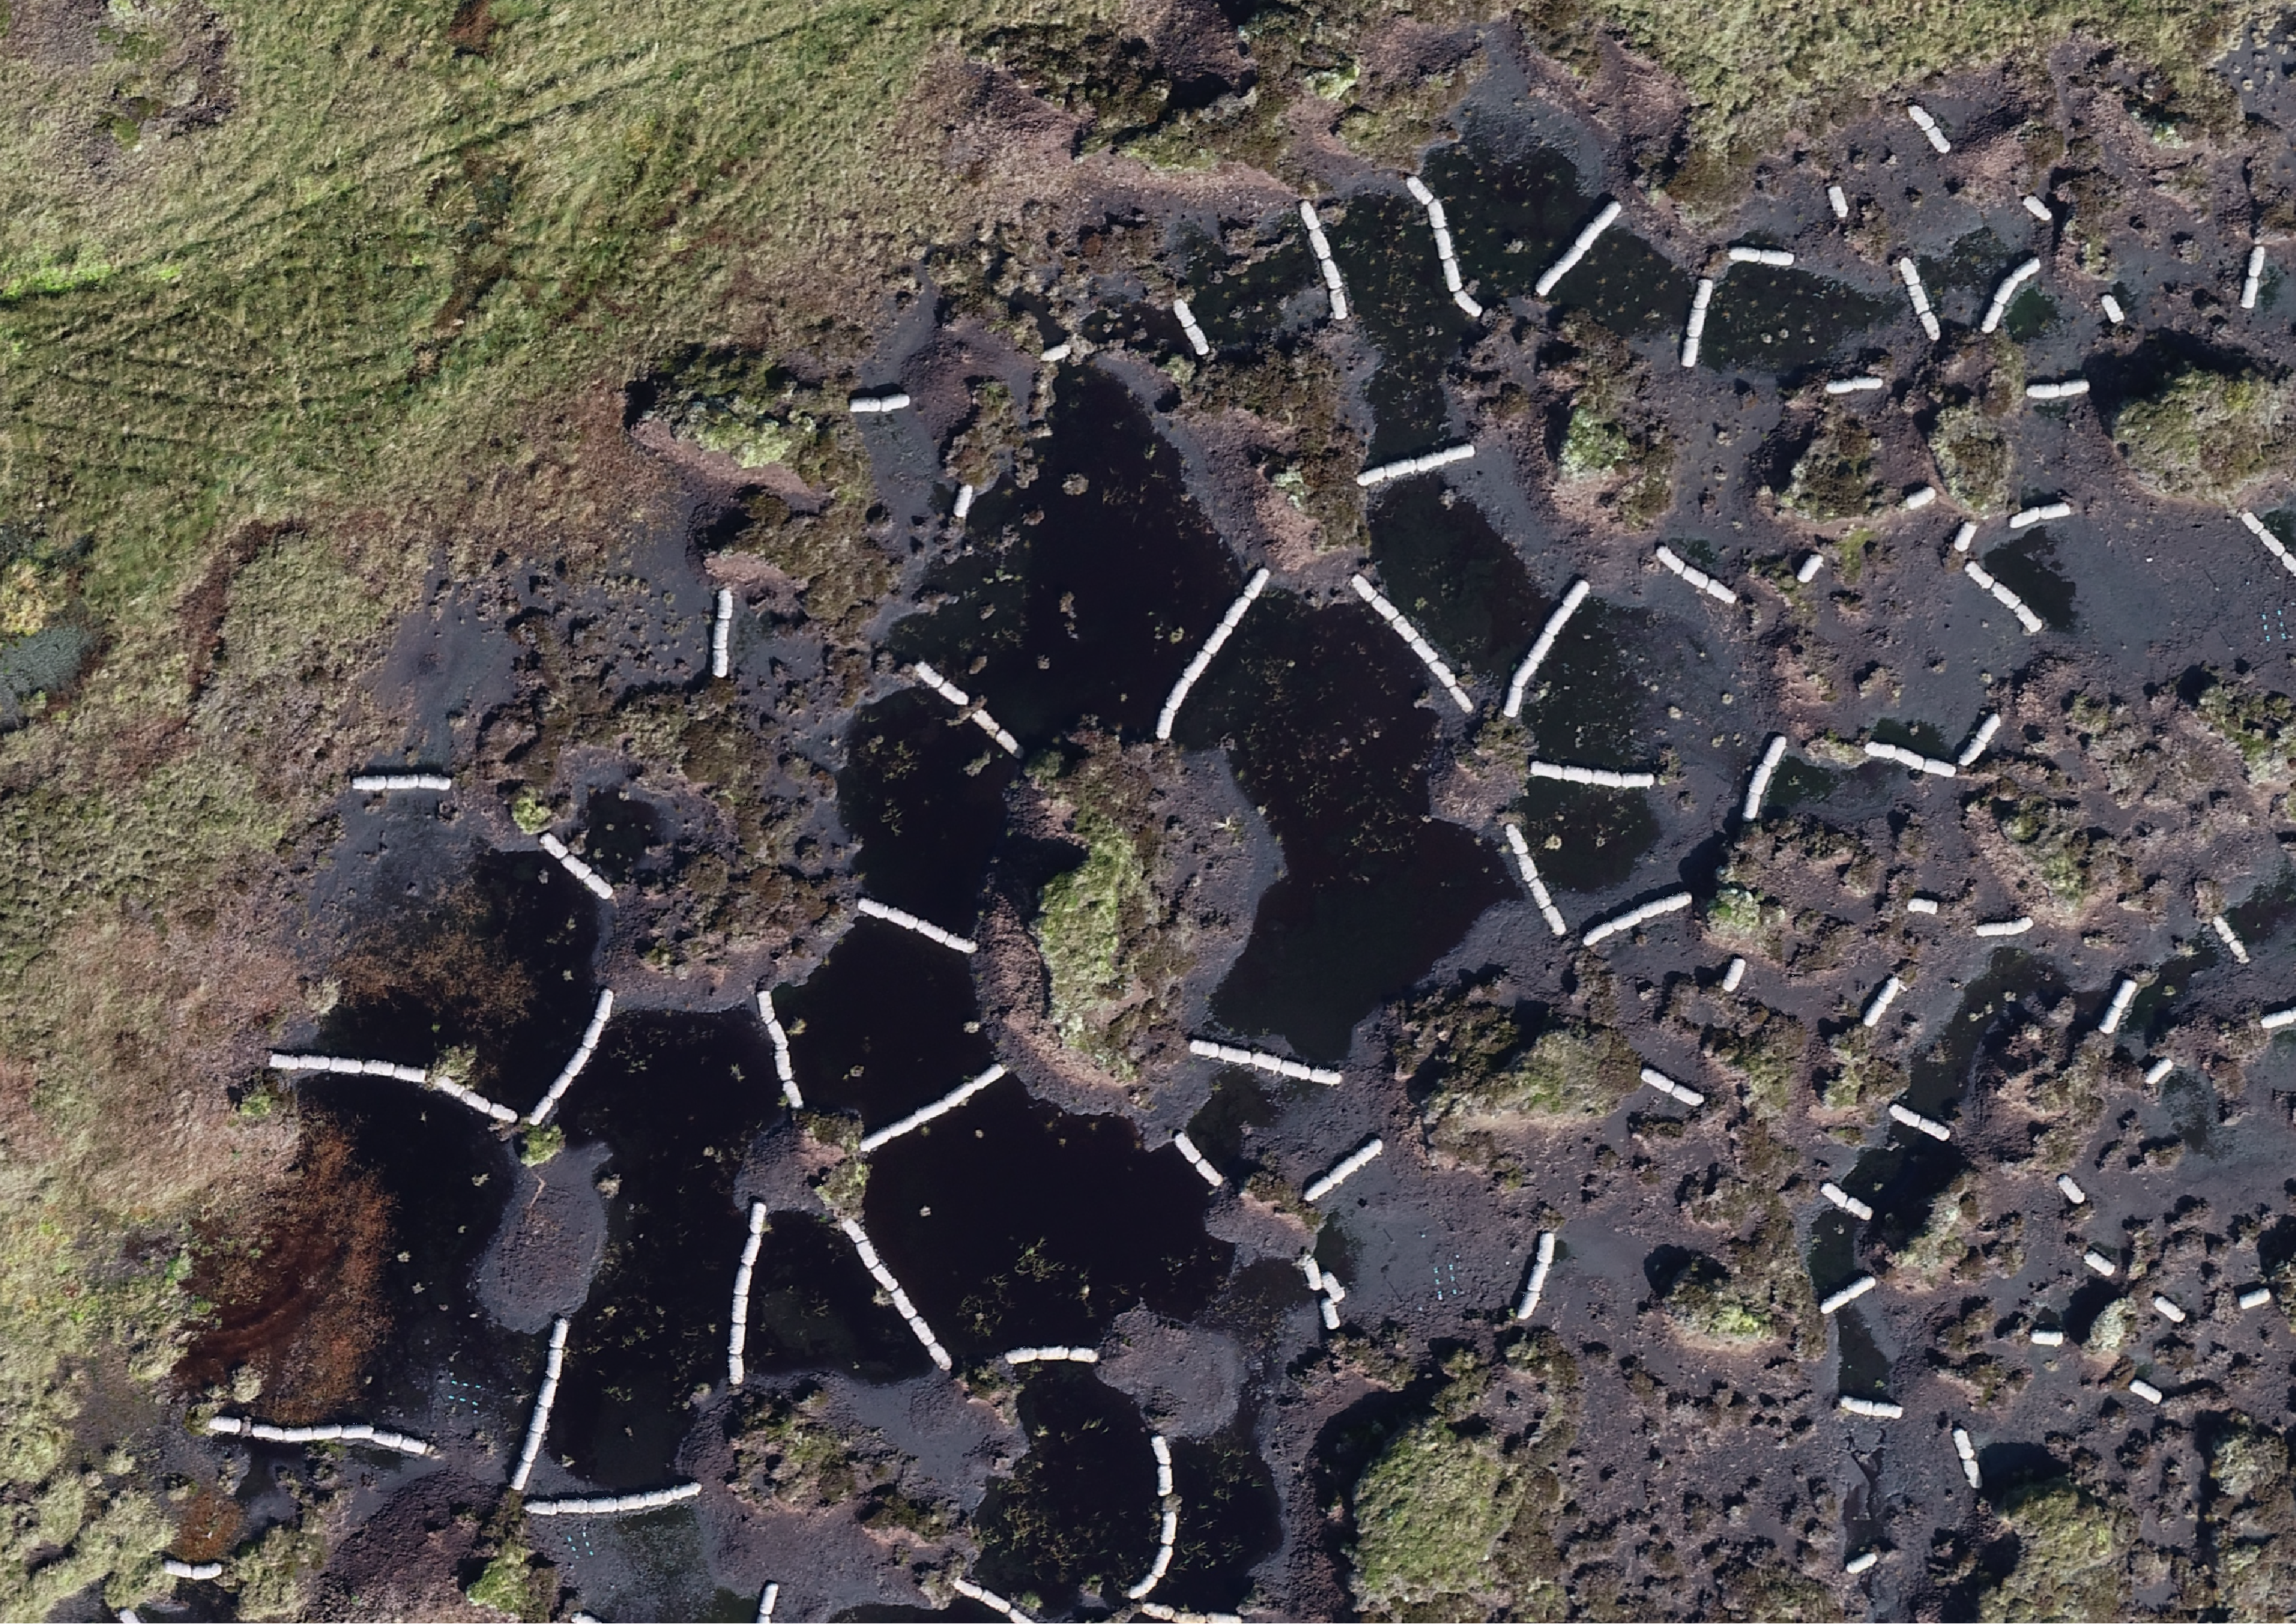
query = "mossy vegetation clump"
x=1114 y=943
x=1489 y=1066
x=1834 y=477
x=2072 y=1555
x=1612 y=446
x=1453 y=1516
x=1708 y=1304
x=2207 y=433
x=1973 y=457
x=2255 y=721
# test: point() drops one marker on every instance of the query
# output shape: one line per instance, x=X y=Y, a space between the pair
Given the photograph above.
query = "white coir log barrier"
x=2169 y=1310
x=1693 y=330
x=1261 y=1061
x=1632 y=917
x=910 y=921
x=2045 y=1336
x=2038 y=209
x=1442 y=226
x=1202 y=663
x=1967 y=1451
x=2043 y=514
x=1052 y=1355
x=1875 y=1409
x=1348 y=1166
x=2231 y=938
x=1322 y=245
x=1697 y=577
x=444 y=1085
x=963 y=505
x=1865 y=383
x=1979 y=740
x=766 y=1600
x=1168 y=1532
x=581 y=1058
x=2158 y=1069
x=737 y=1339
x=1909 y=758
x=1418 y=644
x=1919 y=1123
x=1541 y=1262
x=2071 y=1191
x=976 y=715
x=2123 y=996
x=1540 y=650
x=875 y=1264
x=2063 y=389
x=1742 y=253
x=1603 y=777
x=2113 y=313
x=1883 y=996
x=1520 y=848
x=613 y=1505
x=2005 y=292
x=582 y=872
x=2007 y=599
x=941 y=1107
x=2254 y=279
x=1733 y=975
x=1919 y=497
x=868 y=405
x=1860 y=1563
x=1838 y=199
x=989 y=1599
x=1577 y=251
x=1673 y=1090
x=1210 y=1174
x=1764 y=771
x=1928 y=127
x=721 y=634
x=538 y=1423
x=1197 y=342
x=1847 y=1294
x=1910 y=274
x=1810 y=566
x=1963 y=537
x=2145 y=1390
x=1847 y=1202
x=174 y=1567
x=2272 y=1019
x=1921 y=905
x=2099 y=1264
x=2272 y=544
x=2255 y=1297
x=2006 y=927
x=779 y=1038
x=354 y=1432
x=384 y=783
x=1426 y=461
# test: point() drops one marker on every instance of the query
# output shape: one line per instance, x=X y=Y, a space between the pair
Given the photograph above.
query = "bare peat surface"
x=1137 y=1209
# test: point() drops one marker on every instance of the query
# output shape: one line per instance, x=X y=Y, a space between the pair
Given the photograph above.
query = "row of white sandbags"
x=353 y=1432
x=1418 y=645
x=1202 y=661
x=1444 y=254
x=574 y=866
x=875 y=1264
x=583 y=1051
x=978 y=717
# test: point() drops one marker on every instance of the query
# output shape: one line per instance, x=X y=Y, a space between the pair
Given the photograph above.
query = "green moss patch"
x=2206 y=434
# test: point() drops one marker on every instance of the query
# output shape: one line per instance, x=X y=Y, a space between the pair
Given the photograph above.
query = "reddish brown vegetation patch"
x=294 y=1291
